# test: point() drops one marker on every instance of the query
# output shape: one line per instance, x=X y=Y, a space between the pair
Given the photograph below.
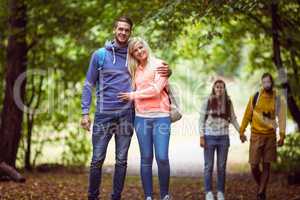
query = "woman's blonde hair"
x=132 y=62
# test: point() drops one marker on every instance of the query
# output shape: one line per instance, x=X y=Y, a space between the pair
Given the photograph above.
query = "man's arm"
x=246 y=119
x=90 y=81
x=86 y=98
x=153 y=90
x=164 y=70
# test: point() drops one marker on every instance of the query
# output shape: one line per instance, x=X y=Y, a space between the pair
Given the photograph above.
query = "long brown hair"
x=213 y=107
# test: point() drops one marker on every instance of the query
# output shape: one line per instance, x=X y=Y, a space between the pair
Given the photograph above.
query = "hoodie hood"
x=116 y=51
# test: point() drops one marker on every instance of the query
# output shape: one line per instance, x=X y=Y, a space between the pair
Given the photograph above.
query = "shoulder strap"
x=167 y=92
x=254 y=102
x=101 y=53
x=255 y=98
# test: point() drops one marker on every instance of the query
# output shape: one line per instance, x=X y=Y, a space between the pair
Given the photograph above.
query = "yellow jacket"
x=263 y=117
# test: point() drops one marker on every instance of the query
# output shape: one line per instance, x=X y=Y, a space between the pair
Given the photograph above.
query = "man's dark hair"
x=265 y=75
x=124 y=19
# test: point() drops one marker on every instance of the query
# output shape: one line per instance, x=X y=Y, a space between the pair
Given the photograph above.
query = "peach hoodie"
x=150 y=96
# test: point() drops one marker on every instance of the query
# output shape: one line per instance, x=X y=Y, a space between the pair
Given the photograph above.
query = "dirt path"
x=64 y=185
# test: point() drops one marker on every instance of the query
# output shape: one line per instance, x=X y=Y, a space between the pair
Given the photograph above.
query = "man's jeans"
x=119 y=124
x=154 y=132
x=219 y=144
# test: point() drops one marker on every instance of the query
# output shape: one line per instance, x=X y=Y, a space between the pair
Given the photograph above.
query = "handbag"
x=175 y=111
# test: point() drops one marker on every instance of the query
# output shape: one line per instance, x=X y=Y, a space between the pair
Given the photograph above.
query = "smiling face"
x=122 y=32
x=219 y=89
x=140 y=52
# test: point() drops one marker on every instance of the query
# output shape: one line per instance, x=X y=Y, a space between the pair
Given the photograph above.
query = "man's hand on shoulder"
x=164 y=70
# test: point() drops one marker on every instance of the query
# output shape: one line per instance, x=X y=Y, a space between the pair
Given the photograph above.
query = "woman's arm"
x=233 y=118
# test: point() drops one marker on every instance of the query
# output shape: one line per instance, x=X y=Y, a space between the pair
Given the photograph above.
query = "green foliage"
x=289 y=154
x=77 y=149
x=40 y=141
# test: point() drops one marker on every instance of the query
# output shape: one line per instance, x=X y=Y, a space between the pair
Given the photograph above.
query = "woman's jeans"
x=154 y=132
x=219 y=144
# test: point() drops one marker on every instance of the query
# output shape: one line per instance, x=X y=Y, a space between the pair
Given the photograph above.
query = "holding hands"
x=243 y=137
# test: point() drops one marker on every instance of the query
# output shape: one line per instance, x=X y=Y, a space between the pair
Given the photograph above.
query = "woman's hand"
x=202 y=142
x=124 y=96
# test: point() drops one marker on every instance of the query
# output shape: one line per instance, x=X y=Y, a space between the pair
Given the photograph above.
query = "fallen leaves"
x=68 y=185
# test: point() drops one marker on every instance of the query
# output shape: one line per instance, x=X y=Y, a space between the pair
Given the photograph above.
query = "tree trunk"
x=28 y=143
x=291 y=103
x=12 y=114
x=30 y=122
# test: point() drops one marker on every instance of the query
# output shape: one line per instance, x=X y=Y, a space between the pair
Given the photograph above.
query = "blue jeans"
x=219 y=144
x=119 y=124
x=154 y=131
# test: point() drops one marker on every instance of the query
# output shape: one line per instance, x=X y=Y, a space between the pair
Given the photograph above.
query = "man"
x=108 y=71
x=262 y=110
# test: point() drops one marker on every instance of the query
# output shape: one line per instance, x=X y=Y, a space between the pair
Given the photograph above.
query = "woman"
x=152 y=120
x=216 y=114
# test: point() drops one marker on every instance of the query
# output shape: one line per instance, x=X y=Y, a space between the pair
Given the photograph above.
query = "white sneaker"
x=209 y=196
x=220 y=196
x=149 y=198
x=167 y=197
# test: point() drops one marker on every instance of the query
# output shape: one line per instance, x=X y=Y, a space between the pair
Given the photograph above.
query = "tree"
x=63 y=41
x=262 y=21
x=16 y=59
x=276 y=21
x=50 y=40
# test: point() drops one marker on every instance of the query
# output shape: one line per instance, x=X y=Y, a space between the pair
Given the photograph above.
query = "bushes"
x=77 y=149
x=289 y=154
x=289 y=158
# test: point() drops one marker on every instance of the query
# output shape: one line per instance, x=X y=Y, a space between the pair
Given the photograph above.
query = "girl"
x=216 y=114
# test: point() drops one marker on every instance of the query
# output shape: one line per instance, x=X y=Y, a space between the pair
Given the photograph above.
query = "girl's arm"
x=233 y=118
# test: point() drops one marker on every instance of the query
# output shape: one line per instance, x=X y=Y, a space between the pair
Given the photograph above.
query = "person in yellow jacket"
x=265 y=111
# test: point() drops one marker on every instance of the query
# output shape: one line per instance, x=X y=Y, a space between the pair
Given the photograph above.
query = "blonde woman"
x=152 y=115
